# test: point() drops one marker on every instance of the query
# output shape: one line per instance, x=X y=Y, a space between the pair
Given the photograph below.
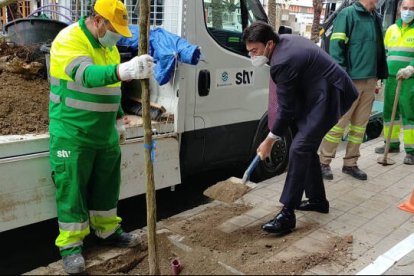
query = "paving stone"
x=327 y=269
x=338 y=190
x=381 y=201
x=258 y=213
x=357 y=196
x=400 y=190
x=310 y=245
x=340 y=228
x=341 y=205
x=323 y=218
x=365 y=212
x=367 y=236
x=265 y=193
x=400 y=233
x=373 y=172
x=228 y=227
x=386 y=244
x=242 y=220
x=354 y=267
x=352 y=219
x=322 y=235
x=374 y=185
x=251 y=199
x=288 y=253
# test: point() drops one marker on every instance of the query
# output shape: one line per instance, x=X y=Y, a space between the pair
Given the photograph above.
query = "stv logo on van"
x=231 y=78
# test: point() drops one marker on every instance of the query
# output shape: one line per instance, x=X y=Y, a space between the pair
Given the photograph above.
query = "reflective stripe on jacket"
x=399 y=43
x=85 y=91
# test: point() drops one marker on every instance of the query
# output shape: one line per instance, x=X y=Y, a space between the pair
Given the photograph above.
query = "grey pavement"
x=367 y=210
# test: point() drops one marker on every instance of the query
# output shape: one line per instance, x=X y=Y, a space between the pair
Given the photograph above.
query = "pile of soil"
x=24 y=97
x=248 y=250
x=227 y=191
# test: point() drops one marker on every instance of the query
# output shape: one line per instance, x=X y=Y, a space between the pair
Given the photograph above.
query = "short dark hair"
x=259 y=31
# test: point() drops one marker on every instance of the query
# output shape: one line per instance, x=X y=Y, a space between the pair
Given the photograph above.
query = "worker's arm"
x=339 y=39
x=95 y=75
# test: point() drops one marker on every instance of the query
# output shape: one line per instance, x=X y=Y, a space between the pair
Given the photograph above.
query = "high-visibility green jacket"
x=399 y=43
x=357 y=43
x=85 y=91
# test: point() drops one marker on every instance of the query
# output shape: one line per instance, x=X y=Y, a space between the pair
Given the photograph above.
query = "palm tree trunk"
x=271 y=13
x=317 y=10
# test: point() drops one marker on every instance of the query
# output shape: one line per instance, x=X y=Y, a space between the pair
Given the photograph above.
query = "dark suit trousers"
x=304 y=172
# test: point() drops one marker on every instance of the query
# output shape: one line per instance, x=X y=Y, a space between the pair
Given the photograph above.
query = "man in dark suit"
x=313 y=92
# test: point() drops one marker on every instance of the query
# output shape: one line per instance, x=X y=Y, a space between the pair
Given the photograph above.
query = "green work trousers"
x=87 y=183
x=404 y=113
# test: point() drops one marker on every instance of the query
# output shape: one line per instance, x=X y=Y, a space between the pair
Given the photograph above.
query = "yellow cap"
x=116 y=13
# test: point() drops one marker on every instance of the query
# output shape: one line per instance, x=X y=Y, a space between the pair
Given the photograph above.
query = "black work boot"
x=73 y=263
x=326 y=172
x=409 y=159
x=320 y=206
x=381 y=150
x=122 y=239
x=355 y=172
x=284 y=222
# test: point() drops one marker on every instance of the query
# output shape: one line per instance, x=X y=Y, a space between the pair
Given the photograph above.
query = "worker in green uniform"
x=356 y=44
x=85 y=155
x=399 y=41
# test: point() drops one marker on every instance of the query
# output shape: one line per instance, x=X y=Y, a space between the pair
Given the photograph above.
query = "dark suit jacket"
x=308 y=78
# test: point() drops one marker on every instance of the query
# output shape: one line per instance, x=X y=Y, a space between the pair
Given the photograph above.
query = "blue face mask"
x=407 y=16
x=109 y=39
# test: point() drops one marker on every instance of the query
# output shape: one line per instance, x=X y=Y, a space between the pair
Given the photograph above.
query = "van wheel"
x=277 y=162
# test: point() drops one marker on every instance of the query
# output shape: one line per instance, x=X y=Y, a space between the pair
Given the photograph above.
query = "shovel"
x=233 y=188
x=385 y=160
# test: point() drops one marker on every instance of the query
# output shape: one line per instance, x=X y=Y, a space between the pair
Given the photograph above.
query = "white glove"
x=405 y=73
x=120 y=127
x=140 y=67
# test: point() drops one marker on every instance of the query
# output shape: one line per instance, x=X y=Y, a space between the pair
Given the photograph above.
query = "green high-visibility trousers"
x=87 y=189
x=405 y=111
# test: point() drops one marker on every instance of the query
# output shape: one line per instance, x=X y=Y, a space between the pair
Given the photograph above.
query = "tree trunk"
x=149 y=171
x=217 y=14
x=271 y=13
x=317 y=10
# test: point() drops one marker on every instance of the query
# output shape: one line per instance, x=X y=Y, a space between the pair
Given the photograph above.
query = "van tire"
x=277 y=162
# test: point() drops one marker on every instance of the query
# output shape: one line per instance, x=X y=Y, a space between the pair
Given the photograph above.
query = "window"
x=226 y=19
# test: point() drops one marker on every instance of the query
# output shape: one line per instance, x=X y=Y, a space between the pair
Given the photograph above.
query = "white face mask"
x=109 y=39
x=407 y=16
x=259 y=61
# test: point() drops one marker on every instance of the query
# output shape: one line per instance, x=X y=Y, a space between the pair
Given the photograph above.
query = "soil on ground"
x=24 y=91
x=203 y=249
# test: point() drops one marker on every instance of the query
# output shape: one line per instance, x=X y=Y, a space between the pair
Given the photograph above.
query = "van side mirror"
x=284 y=30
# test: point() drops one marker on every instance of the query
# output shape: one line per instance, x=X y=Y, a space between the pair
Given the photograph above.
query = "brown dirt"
x=248 y=250
x=24 y=99
x=227 y=191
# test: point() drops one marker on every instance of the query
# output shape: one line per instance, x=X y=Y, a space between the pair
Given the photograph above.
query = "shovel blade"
x=385 y=161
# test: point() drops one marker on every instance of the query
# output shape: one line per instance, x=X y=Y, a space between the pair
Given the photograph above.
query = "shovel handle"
x=394 y=110
x=250 y=169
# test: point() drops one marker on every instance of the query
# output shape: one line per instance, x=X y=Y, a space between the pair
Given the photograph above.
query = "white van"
x=216 y=116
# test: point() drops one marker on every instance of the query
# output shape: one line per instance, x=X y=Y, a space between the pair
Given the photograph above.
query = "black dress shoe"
x=283 y=223
x=321 y=207
x=355 y=172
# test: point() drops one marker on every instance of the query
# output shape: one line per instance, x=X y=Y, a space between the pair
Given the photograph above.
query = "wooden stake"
x=144 y=12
